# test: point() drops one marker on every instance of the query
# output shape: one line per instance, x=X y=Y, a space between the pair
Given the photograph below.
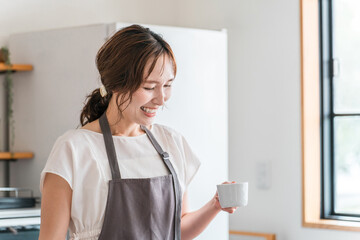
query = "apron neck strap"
x=164 y=155
x=110 y=148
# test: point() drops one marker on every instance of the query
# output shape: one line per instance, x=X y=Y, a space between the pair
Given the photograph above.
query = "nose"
x=160 y=97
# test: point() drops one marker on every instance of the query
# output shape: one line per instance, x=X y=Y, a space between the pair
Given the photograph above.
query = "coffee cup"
x=233 y=194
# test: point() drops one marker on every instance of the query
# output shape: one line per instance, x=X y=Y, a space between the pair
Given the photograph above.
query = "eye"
x=146 y=88
x=167 y=85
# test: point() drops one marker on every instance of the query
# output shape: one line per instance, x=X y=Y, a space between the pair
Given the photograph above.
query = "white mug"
x=233 y=194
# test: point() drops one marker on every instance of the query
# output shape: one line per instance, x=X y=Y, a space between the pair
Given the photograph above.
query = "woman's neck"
x=119 y=126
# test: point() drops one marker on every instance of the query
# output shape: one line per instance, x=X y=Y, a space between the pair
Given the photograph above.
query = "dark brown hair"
x=121 y=63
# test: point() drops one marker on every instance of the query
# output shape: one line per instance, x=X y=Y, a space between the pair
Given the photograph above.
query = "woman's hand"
x=217 y=203
x=193 y=223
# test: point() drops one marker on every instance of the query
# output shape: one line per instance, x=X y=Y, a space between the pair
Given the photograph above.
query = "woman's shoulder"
x=68 y=135
x=71 y=136
x=166 y=130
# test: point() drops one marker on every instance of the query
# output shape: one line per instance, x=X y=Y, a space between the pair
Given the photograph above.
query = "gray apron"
x=140 y=208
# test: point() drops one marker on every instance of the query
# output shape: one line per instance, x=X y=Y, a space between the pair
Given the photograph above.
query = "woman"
x=120 y=176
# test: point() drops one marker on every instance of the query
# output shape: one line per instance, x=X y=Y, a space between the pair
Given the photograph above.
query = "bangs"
x=156 y=57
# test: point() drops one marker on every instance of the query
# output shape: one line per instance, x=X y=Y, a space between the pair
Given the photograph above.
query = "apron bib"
x=140 y=208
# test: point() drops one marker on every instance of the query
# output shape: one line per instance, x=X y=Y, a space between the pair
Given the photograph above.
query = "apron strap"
x=110 y=148
x=165 y=156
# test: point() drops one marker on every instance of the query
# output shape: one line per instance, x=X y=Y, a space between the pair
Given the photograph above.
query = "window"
x=330 y=107
x=340 y=108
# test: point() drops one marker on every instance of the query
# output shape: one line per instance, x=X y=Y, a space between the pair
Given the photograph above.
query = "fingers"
x=227 y=182
x=230 y=209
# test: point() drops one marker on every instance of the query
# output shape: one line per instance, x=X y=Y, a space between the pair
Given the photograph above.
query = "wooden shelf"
x=15 y=67
x=15 y=155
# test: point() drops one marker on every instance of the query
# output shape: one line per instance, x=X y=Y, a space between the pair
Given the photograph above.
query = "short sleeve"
x=191 y=161
x=60 y=162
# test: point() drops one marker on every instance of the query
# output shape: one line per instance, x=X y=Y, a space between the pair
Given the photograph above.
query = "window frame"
x=311 y=100
x=328 y=115
x=326 y=109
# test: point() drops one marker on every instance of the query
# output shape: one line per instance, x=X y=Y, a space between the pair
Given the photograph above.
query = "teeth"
x=148 y=110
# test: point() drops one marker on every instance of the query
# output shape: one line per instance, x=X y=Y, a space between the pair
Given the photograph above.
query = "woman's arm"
x=55 y=208
x=193 y=223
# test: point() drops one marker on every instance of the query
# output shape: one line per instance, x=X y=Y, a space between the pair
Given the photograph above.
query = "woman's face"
x=152 y=94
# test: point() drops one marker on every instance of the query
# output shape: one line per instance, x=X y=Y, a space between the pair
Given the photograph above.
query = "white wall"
x=22 y=15
x=264 y=89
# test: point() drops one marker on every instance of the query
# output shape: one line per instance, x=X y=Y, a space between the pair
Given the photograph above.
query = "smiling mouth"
x=149 y=110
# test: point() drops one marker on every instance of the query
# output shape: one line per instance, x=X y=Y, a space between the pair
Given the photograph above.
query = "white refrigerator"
x=48 y=100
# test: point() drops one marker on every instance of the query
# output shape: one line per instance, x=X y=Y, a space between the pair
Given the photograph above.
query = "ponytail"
x=95 y=106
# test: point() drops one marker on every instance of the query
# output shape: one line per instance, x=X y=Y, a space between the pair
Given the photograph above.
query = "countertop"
x=19 y=217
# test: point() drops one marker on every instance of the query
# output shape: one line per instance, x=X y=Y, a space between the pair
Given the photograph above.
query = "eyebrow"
x=154 y=81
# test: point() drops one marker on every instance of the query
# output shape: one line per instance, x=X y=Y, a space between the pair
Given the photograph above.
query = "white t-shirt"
x=79 y=156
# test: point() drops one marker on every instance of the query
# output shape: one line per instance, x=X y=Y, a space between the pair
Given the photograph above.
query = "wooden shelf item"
x=15 y=155
x=15 y=67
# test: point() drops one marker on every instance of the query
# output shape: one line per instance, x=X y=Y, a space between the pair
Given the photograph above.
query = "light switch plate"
x=263 y=174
